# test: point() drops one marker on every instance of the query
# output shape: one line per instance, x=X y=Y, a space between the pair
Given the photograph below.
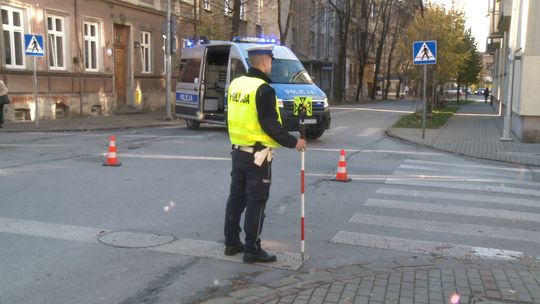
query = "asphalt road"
x=150 y=231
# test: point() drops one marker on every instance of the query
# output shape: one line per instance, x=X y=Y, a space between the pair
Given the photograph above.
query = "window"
x=320 y=43
x=228 y=7
x=206 y=5
x=91 y=46
x=146 y=52
x=56 y=40
x=237 y=69
x=312 y=42
x=313 y=11
x=243 y=10
x=259 y=11
x=373 y=11
x=12 y=27
x=189 y=70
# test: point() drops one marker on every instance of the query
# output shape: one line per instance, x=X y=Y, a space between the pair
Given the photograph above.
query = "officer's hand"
x=301 y=144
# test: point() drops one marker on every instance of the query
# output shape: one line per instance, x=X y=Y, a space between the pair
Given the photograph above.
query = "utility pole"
x=168 y=62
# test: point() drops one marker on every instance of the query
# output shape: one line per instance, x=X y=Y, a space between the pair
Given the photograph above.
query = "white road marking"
x=36 y=145
x=197 y=248
x=447 y=228
x=369 y=132
x=174 y=157
x=460 y=196
x=454 y=210
x=468 y=171
x=423 y=247
x=463 y=186
x=340 y=128
x=348 y=110
x=355 y=150
x=446 y=164
x=477 y=177
x=49 y=230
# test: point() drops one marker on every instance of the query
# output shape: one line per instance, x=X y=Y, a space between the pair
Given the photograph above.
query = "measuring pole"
x=425 y=103
x=302 y=129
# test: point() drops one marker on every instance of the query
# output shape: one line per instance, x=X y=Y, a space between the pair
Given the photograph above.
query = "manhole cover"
x=482 y=300
x=131 y=239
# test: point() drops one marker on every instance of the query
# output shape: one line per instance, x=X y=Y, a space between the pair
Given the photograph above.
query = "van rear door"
x=189 y=89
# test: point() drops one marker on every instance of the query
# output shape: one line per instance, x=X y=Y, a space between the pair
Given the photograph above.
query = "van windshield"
x=289 y=71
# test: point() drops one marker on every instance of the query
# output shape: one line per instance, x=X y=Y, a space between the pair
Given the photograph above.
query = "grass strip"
x=434 y=121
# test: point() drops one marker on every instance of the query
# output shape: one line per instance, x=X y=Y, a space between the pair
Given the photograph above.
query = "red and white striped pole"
x=302 y=202
x=302 y=129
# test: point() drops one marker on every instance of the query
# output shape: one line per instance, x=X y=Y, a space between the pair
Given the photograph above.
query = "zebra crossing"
x=451 y=209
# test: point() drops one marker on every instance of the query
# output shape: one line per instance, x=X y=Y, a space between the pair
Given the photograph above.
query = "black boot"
x=234 y=249
x=260 y=257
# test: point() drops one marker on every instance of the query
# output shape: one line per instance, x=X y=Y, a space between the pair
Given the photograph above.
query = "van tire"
x=192 y=124
x=314 y=134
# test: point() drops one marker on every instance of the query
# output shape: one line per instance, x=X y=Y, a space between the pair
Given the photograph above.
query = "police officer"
x=255 y=128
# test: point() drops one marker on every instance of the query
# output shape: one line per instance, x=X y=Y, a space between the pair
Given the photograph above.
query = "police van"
x=207 y=69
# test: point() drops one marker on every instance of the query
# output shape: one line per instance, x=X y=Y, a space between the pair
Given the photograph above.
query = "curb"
x=401 y=283
x=389 y=133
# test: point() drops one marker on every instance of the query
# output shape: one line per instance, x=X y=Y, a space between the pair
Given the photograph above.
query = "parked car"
x=480 y=91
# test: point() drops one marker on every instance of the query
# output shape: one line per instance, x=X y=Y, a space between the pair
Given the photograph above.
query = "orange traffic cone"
x=112 y=160
x=341 y=175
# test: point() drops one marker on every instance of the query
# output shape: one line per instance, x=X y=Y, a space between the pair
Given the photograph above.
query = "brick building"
x=98 y=52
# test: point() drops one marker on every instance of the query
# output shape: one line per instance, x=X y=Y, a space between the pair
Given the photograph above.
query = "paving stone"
x=316 y=300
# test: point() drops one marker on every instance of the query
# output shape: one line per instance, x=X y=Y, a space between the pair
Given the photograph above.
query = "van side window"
x=237 y=69
x=189 y=70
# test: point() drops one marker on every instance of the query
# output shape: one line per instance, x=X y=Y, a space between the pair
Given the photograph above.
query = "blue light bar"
x=259 y=40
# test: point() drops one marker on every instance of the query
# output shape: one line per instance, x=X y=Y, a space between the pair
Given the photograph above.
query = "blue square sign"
x=33 y=45
x=425 y=52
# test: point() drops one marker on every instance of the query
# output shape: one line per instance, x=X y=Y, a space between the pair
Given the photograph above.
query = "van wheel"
x=314 y=134
x=192 y=124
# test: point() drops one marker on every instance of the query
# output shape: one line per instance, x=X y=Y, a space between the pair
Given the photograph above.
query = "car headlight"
x=325 y=102
x=280 y=103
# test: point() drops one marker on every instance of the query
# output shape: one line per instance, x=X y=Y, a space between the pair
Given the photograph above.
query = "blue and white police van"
x=207 y=69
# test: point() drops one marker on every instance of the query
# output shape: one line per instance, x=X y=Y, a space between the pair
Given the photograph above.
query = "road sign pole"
x=425 y=103
x=168 y=62
x=35 y=95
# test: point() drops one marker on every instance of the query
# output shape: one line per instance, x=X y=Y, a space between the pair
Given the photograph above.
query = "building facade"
x=106 y=56
x=97 y=53
x=311 y=37
x=514 y=40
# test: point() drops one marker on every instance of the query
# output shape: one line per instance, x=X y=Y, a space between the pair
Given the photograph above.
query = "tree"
x=364 y=39
x=386 y=9
x=343 y=10
x=470 y=69
x=284 y=29
x=377 y=21
x=403 y=16
x=447 y=28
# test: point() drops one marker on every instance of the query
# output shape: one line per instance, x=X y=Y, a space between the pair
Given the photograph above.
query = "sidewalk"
x=93 y=123
x=433 y=281
x=474 y=131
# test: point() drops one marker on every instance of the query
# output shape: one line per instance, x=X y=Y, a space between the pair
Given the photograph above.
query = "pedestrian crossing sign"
x=425 y=52
x=34 y=45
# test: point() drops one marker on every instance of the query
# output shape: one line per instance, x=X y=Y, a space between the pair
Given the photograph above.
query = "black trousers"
x=1 y=114
x=250 y=189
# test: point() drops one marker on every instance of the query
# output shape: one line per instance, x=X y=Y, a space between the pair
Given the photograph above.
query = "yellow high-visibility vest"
x=244 y=126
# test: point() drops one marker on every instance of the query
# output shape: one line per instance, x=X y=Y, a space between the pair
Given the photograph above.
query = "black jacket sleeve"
x=268 y=117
